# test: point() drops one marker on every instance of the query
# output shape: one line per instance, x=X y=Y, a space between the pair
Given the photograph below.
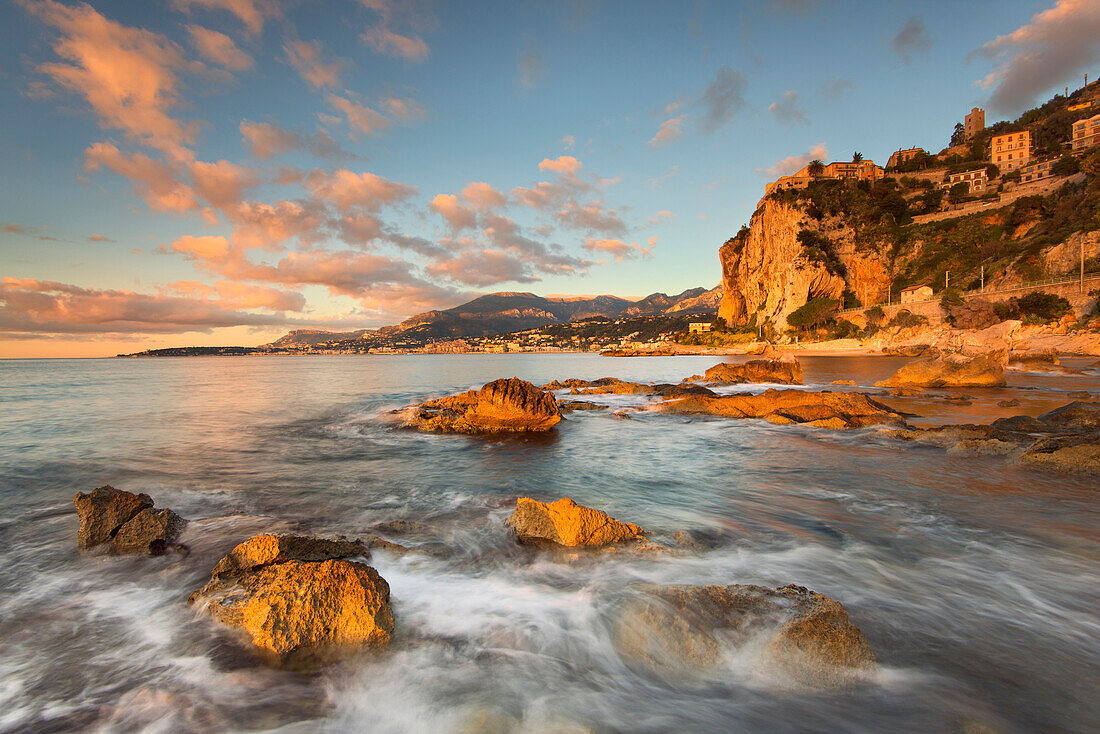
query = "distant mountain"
x=505 y=312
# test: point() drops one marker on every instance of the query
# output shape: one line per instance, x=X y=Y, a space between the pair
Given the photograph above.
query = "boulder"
x=294 y=596
x=103 y=511
x=820 y=409
x=564 y=522
x=846 y=383
x=125 y=522
x=1034 y=357
x=150 y=531
x=504 y=405
x=1073 y=416
x=568 y=406
x=785 y=371
x=688 y=630
x=1065 y=454
x=952 y=370
x=1013 y=403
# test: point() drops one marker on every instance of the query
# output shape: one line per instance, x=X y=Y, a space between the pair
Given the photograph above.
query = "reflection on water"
x=974 y=580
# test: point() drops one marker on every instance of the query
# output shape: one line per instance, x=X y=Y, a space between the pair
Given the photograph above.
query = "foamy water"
x=976 y=582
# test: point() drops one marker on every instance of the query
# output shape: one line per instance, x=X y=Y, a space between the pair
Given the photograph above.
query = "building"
x=1010 y=151
x=901 y=156
x=1086 y=133
x=848 y=170
x=1035 y=171
x=698 y=327
x=974 y=122
x=977 y=180
x=916 y=293
x=1080 y=106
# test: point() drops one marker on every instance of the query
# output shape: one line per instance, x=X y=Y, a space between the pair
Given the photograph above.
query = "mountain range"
x=505 y=312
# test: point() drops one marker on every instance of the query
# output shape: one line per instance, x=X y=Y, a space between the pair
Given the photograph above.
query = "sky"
x=218 y=172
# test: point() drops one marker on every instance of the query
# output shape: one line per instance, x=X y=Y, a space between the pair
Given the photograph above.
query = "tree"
x=1039 y=307
x=814 y=312
x=857 y=157
x=816 y=168
x=932 y=199
x=959 y=136
x=958 y=192
x=1067 y=165
x=992 y=172
x=1091 y=165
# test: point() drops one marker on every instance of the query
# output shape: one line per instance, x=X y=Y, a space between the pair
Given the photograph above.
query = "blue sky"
x=615 y=146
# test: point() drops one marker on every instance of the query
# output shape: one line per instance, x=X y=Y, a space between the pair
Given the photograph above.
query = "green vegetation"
x=906 y=318
x=715 y=339
x=1039 y=308
x=1067 y=165
x=814 y=313
x=818 y=248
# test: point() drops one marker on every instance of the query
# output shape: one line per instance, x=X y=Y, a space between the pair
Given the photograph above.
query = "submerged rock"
x=1065 y=453
x=951 y=370
x=820 y=409
x=504 y=405
x=564 y=522
x=687 y=630
x=295 y=595
x=125 y=521
x=567 y=406
x=785 y=371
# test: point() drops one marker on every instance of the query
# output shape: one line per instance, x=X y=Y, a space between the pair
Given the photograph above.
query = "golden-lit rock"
x=564 y=522
x=125 y=522
x=150 y=531
x=835 y=410
x=951 y=370
x=785 y=371
x=295 y=595
x=504 y=405
x=686 y=631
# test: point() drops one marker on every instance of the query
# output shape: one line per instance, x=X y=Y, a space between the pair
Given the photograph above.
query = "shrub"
x=1067 y=165
x=1039 y=307
x=814 y=312
x=874 y=315
x=843 y=329
x=992 y=172
x=958 y=192
x=906 y=318
x=950 y=298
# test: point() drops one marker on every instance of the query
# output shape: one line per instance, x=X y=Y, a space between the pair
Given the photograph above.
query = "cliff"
x=766 y=273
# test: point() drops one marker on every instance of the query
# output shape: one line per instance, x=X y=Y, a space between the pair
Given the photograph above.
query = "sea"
x=976 y=581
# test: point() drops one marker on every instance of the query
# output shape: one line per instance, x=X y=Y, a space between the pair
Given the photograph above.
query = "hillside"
x=860 y=243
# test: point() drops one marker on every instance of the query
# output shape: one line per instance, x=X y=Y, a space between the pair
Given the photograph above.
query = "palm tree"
x=816 y=168
x=857 y=157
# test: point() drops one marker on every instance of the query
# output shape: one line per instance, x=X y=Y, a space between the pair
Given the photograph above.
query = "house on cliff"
x=837 y=170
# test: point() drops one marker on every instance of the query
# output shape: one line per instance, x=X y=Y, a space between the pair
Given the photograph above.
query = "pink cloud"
x=459 y=217
x=592 y=217
x=483 y=197
x=222 y=184
x=347 y=190
x=621 y=250
x=268 y=140
x=670 y=131
x=385 y=41
x=213 y=249
x=794 y=163
x=482 y=268
x=154 y=181
x=566 y=165
x=231 y=294
x=127 y=75
x=252 y=13
x=404 y=109
x=219 y=48
x=361 y=119
x=305 y=57
x=98 y=238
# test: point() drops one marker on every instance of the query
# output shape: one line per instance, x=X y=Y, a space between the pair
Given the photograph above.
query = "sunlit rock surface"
x=564 y=522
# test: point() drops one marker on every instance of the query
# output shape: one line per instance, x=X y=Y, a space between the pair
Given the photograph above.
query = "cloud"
x=621 y=250
x=222 y=184
x=795 y=163
x=305 y=57
x=404 y=109
x=361 y=119
x=723 y=98
x=36 y=307
x=384 y=40
x=568 y=142
x=231 y=294
x=13 y=228
x=483 y=197
x=348 y=190
x=154 y=181
x=591 y=217
x=483 y=268
x=268 y=140
x=834 y=89
x=127 y=75
x=457 y=216
x=660 y=216
x=912 y=38
x=531 y=67
x=566 y=165
x=252 y=13
x=787 y=111
x=219 y=48
x=99 y=238
x=670 y=131
x=1057 y=44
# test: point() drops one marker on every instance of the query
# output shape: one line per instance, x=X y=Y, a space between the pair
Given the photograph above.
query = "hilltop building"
x=916 y=293
x=975 y=122
x=976 y=179
x=901 y=156
x=1010 y=151
x=1035 y=171
x=847 y=170
x=1086 y=133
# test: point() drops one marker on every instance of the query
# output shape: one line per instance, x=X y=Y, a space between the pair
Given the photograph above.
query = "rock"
x=1014 y=403
x=610 y=386
x=848 y=383
x=659 y=352
x=564 y=522
x=1065 y=453
x=402 y=527
x=784 y=371
x=575 y=382
x=907 y=392
x=1034 y=357
x=1073 y=416
x=504 y=405
x=912 y=350
x=103 y=511
x=567 y=406
x=622 y=415
x=945 y=436
x=684 y=629
x=294 y=597
x=1019 y=424
x=952 y=370
x=150 y=531
x=1079 y=395
x=821 y=409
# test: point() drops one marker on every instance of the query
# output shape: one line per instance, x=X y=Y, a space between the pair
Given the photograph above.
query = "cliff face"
x=766 y=273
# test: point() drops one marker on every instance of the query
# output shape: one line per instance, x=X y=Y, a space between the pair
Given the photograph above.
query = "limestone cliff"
x=765 y=271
